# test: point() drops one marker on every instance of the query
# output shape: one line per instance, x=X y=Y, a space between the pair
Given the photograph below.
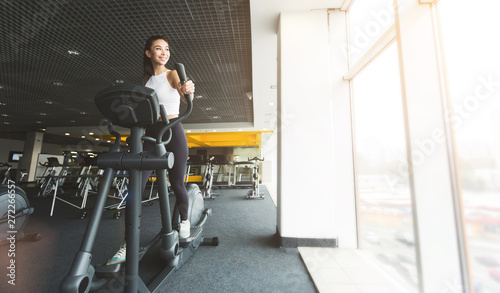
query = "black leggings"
x=177 y=145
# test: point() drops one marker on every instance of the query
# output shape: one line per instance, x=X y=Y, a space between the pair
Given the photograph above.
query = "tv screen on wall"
x=15 y=156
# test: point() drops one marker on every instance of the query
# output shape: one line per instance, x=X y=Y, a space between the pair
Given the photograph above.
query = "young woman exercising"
x=170 y=92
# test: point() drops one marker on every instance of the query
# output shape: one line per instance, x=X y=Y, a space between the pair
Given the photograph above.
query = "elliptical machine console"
x=137 y=107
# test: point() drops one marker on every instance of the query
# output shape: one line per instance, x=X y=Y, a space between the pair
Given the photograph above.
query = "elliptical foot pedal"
x=194 y=236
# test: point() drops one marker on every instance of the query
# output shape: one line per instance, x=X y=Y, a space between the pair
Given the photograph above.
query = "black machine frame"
x=137 y=107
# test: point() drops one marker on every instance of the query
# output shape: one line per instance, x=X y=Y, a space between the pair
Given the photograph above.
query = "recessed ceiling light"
x=3 y=104
x=96 y=138
x=48 y=102
x=83 y=113
x=1 y=87
x=109 y=141
x=214 y=130
x=83 y=136
x=216 y=117
x=39 y=122
x=67 y=133
x=72 y=121
x=120 y=81
x=6 y=122
x=58 y=83
x=72 y=52
x=4 y=115
x=209 y=108
x=199 y=97
x=91 y=133
x=188 y=130
x=43 y=114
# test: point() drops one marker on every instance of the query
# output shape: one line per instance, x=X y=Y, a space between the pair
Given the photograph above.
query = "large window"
x=384 y=203
x=472 y=51
x=368 y=20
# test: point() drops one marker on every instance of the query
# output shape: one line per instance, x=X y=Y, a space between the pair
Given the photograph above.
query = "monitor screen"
x=15 y=156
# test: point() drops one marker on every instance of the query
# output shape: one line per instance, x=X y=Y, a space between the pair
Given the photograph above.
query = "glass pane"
x=368 y=20
x=384 y=202
x=472 y=50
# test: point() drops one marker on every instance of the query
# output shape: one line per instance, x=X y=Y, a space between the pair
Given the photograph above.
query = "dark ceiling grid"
x=38 y=75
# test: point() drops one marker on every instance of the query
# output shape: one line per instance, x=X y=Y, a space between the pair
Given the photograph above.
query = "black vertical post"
x=95 y=218
x=133 y=216
x=166 y=222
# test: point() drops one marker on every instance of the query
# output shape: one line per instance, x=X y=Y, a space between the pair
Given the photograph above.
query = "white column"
x=32 y=147
x=431 y=166
x=343 y=172
x=306 y=207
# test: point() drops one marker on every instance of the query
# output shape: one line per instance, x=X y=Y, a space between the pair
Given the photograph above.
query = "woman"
x=170 y=92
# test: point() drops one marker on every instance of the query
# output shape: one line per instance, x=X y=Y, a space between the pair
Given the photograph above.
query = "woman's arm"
x=186 y=88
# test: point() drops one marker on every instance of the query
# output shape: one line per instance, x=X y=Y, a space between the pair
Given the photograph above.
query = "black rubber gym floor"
x=248 y=258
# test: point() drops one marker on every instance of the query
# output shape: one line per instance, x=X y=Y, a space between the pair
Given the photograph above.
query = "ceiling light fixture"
x=82 y=113
x=91 y=133
x=43 y=114
x=57 y=83
x=3 y=104
x=72 y=52
x=199 y=97
x=271 y=103
x=67 y=133
x=120 y=81
x=48 y=102
x=6 y=122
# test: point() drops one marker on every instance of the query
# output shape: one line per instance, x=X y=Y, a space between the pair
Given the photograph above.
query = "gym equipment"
x=14 y=212
x=242 y=170
x=137 y=107
x=51 y=182
x=209 y=178
x=6 y=174
x=121 y=192
x=254 y=192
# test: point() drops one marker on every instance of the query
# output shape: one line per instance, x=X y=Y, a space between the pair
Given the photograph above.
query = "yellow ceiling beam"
x=218 y=139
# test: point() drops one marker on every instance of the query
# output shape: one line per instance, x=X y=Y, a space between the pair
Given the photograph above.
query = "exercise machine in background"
x=255 y=191
x=209 y=180
x=14 y=212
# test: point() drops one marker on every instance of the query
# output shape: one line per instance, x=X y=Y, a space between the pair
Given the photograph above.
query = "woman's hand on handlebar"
x=187 y=88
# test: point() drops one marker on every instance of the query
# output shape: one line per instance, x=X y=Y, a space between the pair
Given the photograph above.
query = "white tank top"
x=167 y=96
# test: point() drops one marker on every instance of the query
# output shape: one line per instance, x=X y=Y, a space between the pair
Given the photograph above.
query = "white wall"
x=305 y=135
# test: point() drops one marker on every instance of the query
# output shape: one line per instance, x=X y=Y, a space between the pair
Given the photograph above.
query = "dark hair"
x=147 y=66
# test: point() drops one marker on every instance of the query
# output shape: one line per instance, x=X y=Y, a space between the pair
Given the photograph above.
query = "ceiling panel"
x=56 y=55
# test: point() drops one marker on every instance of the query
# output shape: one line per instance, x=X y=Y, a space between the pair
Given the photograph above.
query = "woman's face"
x=159 y=52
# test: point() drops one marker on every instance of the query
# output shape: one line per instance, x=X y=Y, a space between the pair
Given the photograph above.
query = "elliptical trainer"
x=137 y=107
